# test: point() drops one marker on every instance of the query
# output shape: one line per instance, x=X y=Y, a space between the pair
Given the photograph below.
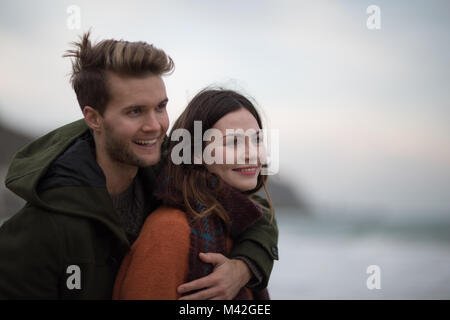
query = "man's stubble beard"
x=120 y=151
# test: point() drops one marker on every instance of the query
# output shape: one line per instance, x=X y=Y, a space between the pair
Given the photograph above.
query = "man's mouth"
x=146 y=143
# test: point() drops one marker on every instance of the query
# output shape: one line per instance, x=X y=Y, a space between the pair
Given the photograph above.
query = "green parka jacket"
x=67 y=241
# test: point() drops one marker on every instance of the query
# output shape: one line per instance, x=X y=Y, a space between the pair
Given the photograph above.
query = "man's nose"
x=151 y=123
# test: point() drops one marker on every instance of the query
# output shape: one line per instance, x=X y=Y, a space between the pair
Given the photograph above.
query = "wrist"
x=244 y=272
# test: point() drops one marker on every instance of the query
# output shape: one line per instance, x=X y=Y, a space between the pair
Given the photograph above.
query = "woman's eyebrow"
x=240 y=134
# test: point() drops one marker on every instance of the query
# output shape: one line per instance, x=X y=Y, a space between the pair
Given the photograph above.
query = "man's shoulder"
x=30 y=229
x=33 y=220
x=53 y=232
x=29 y=214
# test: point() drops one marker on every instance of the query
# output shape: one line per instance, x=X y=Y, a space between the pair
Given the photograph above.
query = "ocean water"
x=326 y=256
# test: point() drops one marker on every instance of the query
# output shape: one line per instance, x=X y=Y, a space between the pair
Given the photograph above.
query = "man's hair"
x=91 y=62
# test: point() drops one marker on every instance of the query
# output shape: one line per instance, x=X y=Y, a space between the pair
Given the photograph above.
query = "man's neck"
x=118 y=176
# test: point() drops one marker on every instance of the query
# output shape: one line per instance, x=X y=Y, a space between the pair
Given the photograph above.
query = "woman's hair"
x=90 y=62
x=192 y=185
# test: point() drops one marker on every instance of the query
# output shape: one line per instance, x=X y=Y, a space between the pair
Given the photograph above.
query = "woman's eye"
x=257 y=140
x=232 y=142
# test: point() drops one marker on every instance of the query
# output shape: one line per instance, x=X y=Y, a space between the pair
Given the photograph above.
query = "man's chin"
x=148 y=161
x=146 y=158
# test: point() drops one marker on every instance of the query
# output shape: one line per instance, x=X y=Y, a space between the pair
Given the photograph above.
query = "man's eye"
x=134 y=111
x=161 y=106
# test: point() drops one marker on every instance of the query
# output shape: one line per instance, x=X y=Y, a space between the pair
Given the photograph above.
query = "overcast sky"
x=364 y=115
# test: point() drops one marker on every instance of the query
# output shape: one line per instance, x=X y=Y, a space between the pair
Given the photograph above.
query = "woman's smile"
x=248 y=171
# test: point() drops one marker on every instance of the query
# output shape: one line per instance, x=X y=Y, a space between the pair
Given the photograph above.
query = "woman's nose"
x=251 y=152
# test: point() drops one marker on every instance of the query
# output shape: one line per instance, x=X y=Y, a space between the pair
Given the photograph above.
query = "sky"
x=363 y=114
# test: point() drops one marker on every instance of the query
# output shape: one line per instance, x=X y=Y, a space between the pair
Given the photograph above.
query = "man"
x=88 y=187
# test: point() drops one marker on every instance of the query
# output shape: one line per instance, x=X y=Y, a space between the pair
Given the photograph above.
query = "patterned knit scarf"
x=209 y=234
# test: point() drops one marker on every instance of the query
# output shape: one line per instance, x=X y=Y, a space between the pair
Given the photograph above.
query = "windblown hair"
x=189 y=185
x=91 y=62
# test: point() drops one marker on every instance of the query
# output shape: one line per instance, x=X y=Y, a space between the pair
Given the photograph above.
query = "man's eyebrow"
x=164 y=101
x=135 y=106
x=143 y=105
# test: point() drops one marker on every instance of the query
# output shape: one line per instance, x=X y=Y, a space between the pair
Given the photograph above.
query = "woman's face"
x=241 y=166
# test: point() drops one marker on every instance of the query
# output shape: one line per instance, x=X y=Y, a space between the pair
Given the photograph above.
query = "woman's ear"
x=93 y=118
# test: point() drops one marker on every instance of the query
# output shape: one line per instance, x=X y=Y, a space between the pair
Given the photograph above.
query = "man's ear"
x=93 y=118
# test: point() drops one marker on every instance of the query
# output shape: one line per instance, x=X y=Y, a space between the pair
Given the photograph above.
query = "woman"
x=205 y=203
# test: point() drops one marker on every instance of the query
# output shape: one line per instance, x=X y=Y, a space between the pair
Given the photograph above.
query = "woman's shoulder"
x=158 y=261
x=165 y=222
x=168 y=214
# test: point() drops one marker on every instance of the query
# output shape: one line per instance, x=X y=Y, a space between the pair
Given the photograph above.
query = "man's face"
x=135 y=120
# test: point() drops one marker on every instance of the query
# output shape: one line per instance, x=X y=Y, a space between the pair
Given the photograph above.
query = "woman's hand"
x=224 y=283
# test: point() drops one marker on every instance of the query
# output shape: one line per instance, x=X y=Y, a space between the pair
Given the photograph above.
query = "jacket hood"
x=59 y=173
x=32 y=161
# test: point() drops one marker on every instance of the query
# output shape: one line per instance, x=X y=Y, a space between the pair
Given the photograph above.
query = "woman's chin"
x=245 y=187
